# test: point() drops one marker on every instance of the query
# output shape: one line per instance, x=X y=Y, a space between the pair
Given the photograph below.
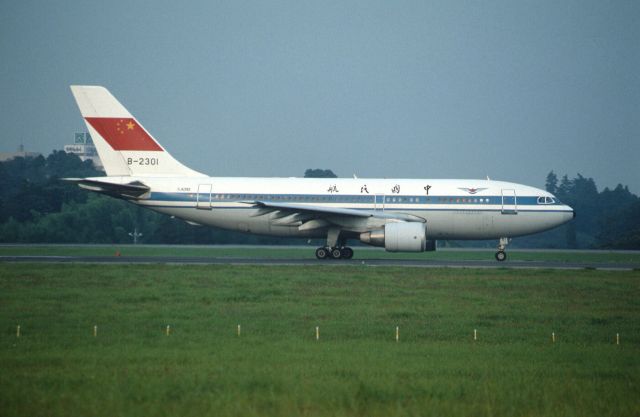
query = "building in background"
x=83 y=147
x=5 y=156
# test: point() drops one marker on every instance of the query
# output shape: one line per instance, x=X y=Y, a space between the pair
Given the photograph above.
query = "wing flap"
x=324 y=212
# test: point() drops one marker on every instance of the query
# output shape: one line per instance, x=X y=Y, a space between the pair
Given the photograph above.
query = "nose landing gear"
x=501 y=255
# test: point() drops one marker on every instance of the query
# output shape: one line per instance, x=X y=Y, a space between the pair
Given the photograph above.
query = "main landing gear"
x=335 y=248
x=343 y=252
x=501 y=255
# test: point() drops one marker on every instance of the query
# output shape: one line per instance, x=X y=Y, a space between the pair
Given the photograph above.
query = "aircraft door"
x=203 y=201
x=509 y=201
x=379 y=202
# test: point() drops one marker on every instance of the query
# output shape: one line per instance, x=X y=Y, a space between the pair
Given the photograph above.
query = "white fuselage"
x=452 y=209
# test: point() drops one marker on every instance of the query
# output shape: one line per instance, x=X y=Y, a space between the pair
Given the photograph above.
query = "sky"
x=392 y=89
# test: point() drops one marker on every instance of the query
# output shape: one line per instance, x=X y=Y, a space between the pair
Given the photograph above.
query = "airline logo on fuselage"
x=472 y=190
x=123 y=134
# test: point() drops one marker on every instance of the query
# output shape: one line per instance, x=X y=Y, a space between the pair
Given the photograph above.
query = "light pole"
x=135 y=235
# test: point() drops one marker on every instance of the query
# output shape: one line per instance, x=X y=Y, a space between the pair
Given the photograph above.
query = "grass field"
x=309 y=253
x=276 y=367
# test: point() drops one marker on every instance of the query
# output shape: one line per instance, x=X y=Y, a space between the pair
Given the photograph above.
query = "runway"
x=401 y=263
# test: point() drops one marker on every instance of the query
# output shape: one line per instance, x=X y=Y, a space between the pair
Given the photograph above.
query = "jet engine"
x=400 y=237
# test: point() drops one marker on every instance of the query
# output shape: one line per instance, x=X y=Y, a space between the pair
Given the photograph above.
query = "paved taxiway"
x=315 y=262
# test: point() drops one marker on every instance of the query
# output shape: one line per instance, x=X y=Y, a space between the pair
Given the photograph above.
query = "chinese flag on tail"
x=123 y=134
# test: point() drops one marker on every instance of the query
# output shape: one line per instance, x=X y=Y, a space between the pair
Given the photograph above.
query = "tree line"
x=608 y=219
x=36 y=206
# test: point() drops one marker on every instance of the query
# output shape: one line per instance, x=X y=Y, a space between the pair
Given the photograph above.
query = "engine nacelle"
x=400 y=237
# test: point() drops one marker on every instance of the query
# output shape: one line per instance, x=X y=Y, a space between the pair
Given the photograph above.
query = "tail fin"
x=124 y=146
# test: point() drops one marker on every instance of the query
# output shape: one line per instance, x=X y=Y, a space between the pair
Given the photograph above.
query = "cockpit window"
x=546 y=200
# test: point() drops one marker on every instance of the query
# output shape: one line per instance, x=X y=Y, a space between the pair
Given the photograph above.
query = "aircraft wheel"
x=501 y=256
x=347 y=253
x=322 y=253
x=336 y=253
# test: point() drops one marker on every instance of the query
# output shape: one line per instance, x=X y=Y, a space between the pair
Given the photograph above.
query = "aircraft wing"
x=310 y=216
x=132 y=190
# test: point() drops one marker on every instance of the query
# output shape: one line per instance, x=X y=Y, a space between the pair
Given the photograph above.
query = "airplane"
x=401 y=215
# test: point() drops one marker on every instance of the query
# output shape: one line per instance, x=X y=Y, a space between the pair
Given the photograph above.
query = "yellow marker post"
x=238 y=330
x=95 y=330
x=553 y=337
x=475 y=334
x=168 y=329
x=617 y=338
x=317 y=333
x=18 y=331
x=397 y=333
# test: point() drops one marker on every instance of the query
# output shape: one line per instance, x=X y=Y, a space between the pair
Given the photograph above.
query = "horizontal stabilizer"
x=133 y=190
x=192 y=223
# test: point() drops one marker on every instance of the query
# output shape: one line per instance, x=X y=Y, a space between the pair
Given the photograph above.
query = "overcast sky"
x=408 y=89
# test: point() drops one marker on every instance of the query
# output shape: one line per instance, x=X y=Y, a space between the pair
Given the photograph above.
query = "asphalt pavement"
x=180 y=260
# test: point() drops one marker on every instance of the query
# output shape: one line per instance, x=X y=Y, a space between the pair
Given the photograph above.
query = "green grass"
x=309 y=253
x=277 y=368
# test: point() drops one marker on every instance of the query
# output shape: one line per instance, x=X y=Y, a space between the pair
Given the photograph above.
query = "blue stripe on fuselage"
x=388 y=200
